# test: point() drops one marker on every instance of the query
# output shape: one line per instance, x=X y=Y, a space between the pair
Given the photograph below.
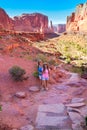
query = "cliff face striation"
x=35 y=22
x=77 y=22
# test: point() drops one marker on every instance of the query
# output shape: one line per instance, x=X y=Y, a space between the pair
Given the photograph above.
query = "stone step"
x=52 y=117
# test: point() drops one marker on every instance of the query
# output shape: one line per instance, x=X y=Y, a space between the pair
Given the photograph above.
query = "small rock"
x=27 y=127
x=34 y=89
x=69 y=109
x=76 y=105
x=78 y=100
x=20 y=94
x=76 y=127
x=76 y=118
x=84 y=111
x=56 y=108
x=79 y=91
x=62 y=87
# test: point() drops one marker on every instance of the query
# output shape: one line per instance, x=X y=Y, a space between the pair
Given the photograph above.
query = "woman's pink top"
x=46 y=74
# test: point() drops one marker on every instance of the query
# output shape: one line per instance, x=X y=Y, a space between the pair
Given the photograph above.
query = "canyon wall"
x=35 y=22
x=59 y=28
x=77 y=22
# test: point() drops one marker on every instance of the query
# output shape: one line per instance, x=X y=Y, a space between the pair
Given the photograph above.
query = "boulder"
x=76 y=105
x=78 y=100
x=21 y=94
x=34 y=89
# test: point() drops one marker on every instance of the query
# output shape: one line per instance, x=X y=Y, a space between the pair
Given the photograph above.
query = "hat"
x=45 y=63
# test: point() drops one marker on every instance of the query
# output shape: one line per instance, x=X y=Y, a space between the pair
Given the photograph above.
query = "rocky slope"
x=78 y=19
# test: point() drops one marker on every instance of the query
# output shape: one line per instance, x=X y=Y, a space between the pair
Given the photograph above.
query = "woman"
x=45 y=76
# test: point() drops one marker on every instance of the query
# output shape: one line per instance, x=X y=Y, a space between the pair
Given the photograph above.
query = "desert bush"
x=76 y=69
x=35 y=74
x=76 y=57
x=84 y=50
x=66 y=48
x=68 y=60
x=0 y=37
x=17 y=73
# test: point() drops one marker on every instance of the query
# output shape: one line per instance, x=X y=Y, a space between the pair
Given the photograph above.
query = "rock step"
x=53 y=117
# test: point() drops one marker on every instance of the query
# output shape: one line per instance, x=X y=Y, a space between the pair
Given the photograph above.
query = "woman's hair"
x=39 y=61
x=45 y=67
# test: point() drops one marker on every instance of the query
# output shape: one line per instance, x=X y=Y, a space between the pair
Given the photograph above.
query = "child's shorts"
x=40 y=77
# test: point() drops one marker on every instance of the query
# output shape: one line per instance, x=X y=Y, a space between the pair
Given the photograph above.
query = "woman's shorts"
x=45 y=78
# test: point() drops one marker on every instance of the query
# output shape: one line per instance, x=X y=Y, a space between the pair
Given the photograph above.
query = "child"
x=45 y=76
x=40 y=70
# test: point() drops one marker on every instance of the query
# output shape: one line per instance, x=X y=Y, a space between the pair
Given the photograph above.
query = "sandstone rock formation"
x=35 y=22
x=5 y=21
x=77 y=22
x=60 y=28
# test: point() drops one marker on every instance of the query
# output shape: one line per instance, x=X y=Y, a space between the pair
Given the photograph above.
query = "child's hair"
x=39 y=61
x=44 y=66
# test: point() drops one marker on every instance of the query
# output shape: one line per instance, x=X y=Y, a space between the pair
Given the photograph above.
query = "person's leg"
x=43 y=84
x=40 y=80
x=46 y=84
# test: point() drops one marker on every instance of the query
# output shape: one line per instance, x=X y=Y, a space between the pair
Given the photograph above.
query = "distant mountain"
x=59 y=28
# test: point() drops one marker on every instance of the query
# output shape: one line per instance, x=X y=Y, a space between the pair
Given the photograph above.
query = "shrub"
x=68 y=60
x=35 y=74
x=0 y=37
x=17 y=73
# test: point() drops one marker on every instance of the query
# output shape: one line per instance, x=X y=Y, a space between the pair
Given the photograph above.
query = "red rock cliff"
x=35 y=22
x=61 y=28
x=78 y=20
x=31 y=22
x=5 y=21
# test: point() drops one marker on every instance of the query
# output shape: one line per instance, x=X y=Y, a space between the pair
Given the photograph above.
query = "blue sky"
x=56 y=10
